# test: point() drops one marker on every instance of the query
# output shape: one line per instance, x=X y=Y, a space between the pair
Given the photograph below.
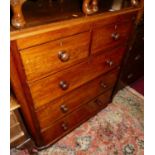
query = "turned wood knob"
x=63 y=56
x=64 y=126
x=98 y=102
x=115 y=36
x=137 y=57
x=110 y=62
x=63 y=85
x=103 y=85
x=130 y=76
x=64 y=108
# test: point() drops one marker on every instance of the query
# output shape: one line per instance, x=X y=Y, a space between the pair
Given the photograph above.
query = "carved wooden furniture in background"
x=64 y=72
x=17 y=20
x=87 y=6
x=90 y=6
x=133 y=68
x=18 y=132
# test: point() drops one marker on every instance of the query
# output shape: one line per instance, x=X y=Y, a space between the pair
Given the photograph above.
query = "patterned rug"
x=116 y=130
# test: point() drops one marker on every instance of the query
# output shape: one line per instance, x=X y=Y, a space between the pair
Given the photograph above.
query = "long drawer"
x=50 y=33
x=39 y=61
x=66 y=104
x=63 y=126
x=109 y=36
x=47 y=89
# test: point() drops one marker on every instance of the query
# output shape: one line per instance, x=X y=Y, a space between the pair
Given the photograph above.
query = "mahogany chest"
x=65 y=72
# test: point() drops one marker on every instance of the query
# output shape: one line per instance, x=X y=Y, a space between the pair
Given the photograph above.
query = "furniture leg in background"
x=18 y=20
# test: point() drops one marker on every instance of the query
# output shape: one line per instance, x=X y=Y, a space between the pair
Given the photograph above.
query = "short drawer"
x=63 y=126
x=39 y=61
x=47 y=89
x=110 y=36
x=66 y=104
x=120 y=18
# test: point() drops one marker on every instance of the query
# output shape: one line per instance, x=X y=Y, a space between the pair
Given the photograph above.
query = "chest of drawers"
x=64 y=73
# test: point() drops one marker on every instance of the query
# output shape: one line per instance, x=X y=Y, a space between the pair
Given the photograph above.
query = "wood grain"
x=75 y=98
x=74 y=119
x=55 y=34
x=62 y=28
x=42 y=60
x=102 y=37
x=47 y=89
x=17 y=87
x=43 y=83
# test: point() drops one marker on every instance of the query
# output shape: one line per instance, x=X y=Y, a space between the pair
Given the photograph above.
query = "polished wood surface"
x=19 y=91
x=112 y=35
x=71 y=27
x=39 y=61
x=52 y=64
x=66 y=104
x=60 y=32
x=63 y=126
x=18 y=20
x=47 y=89
x=39 y=12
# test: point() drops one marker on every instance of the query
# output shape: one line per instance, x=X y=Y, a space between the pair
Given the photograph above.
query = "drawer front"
x=110 y=36
x=39 y=61
x=66 y=104
x=122 y=18
x=45 y=90
x=56 y=31
x=63 y=126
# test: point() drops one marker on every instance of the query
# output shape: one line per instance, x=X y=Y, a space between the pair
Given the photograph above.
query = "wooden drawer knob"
x=64 y=108
x=63 y=85
x=64 y=126
x=63 y=56
x=137 y=57
x=98 y=102
x=115 y=36
x=110 y=63
x=103 y=85
x=130 y=76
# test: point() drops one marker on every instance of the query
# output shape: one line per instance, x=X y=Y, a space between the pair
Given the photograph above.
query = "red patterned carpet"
x=116 y=130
